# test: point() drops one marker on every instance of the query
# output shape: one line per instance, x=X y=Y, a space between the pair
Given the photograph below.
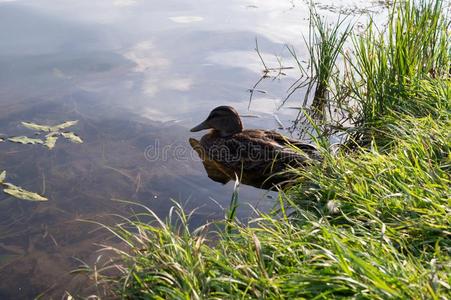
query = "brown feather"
x=253 y=153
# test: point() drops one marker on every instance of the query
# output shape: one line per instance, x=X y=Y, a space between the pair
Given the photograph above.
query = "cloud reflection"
x=154 y=68
x=186 y=19
x=146 y=57
x=124 y=2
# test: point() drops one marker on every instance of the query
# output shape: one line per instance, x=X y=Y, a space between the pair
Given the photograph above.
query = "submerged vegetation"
x=18 y=192
x=372 y=221
x=51 y=136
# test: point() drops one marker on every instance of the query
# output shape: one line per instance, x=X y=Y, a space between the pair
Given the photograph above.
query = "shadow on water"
x=260 y=171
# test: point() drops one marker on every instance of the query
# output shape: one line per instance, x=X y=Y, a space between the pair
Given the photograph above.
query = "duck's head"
x=224 y=119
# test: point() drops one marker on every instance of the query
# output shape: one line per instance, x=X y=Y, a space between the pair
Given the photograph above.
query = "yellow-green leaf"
x=50 y=140
x=72 y=137
x=21 y=193
x=37 y=127
x=63 y=125
x=2 y=176
x=25 y=140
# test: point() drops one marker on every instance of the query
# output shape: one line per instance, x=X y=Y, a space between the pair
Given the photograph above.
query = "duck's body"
x=253 y=150
x=253 y=153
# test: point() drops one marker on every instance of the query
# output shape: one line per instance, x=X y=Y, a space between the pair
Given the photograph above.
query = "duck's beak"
x=201 y=126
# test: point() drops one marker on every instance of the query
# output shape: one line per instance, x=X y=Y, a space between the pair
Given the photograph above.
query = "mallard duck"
x=252 y=153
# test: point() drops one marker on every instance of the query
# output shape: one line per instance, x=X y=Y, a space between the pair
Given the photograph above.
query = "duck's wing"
x=255 y=152
x=310 y=150
x=286 y=141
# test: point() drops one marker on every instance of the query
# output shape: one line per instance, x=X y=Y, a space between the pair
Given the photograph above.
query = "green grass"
x=389 y=66
x=324 y=44
x=372 y=221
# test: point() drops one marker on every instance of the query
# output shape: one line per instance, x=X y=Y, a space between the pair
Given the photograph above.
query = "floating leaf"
x=2 y=176
x=72 y=137
x=63 y=125
x=25 y=140
x=50 y=140
x=37 y=127
x=46 y=128
x=20 y=193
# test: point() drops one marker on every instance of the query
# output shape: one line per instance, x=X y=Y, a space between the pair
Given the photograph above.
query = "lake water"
x=137 y=74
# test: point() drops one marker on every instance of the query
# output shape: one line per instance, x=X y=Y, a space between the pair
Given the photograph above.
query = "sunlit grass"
x=388 y=66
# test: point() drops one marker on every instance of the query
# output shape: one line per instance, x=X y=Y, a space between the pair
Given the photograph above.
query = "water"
x=136 y=74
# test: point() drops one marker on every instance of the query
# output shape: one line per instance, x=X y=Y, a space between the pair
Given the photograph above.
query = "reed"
x=393 y=65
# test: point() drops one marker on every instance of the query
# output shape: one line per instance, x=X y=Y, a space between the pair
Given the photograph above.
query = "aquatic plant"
x=18 y=192
x=51 y=135
x=324 y=44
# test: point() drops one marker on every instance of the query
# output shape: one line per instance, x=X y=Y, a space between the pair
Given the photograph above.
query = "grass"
x=391 y=66
x=373 y=221
x=324 y=44
x=317 y=80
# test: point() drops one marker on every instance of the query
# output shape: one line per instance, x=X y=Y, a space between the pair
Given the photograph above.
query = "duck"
x=257 y=155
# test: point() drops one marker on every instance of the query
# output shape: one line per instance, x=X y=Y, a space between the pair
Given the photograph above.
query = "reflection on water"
x=222 y=173
x=262 y=170
x=133 y=73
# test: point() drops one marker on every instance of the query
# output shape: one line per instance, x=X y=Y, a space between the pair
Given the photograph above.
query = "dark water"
x=135 y=74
